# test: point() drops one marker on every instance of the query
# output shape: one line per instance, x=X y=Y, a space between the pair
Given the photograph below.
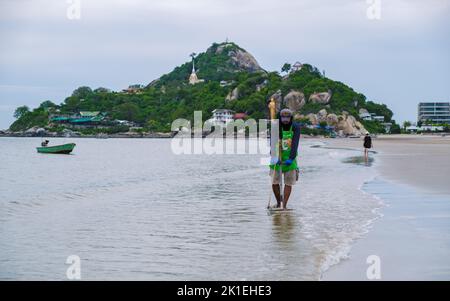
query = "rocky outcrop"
x=32 y=130
x=244 y=60
x=322 y=98
x=35 y=132
x=240 y=58
x=294 y=100
x=332 y=119
x=322 y=116
x=344 y=124
x=349 y=126
x=159 y=135
x=66 y=133
x=233 y=95
x=298 y=116
x=313 y=118
x=70 y=133
x=217 y=63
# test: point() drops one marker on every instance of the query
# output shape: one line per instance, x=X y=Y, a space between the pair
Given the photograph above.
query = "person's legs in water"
x=290 y=178
x=366 y=156
x=276 y=186
x=276 y=192
x=287 y=193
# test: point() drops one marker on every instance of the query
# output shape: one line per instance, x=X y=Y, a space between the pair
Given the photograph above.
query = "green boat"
x=57 y=149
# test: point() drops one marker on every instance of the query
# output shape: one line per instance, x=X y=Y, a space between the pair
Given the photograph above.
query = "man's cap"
x=286 y=113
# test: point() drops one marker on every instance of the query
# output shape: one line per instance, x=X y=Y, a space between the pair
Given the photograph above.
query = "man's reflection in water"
x=284 y=226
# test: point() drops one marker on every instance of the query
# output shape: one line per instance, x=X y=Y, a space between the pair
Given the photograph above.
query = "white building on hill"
x=221 y=117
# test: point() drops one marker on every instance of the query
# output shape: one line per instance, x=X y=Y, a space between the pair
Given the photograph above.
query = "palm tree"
x=286 y=68
x=406 y=124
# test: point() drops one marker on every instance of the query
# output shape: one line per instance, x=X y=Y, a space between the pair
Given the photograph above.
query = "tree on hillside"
x=47 y=104
x=126 y=111
x=379 y=109
x=71 y=104
x=286 y=68
x=21 y=111
x=82 y=92
x=102 y=90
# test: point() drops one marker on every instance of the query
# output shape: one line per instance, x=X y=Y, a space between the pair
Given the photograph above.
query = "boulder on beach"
x=132 y=134
x=332 y=119
x=348 y=125
x=70 y=133
x=361 y=128
x=164 y=135
x=41 y=131
x=32 y=131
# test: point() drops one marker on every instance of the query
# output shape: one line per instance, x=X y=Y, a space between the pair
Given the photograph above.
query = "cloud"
x=118 y=42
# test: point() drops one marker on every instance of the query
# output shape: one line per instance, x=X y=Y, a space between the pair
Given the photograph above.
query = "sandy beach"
x=411 y=238
x=418 y=160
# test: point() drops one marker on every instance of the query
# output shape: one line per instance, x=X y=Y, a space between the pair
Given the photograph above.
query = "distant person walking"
x=367 y=146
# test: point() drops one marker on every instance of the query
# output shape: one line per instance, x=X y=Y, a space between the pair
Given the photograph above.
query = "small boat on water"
x=57 y=149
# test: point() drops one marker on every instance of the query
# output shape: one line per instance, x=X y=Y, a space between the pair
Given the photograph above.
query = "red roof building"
x=240 y=116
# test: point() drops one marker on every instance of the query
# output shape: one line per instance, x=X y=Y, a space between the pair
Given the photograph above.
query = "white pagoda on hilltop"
x=193 y=79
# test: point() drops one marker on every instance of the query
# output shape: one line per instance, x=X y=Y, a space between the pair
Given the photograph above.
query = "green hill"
x=232 y=79
x=219 y=62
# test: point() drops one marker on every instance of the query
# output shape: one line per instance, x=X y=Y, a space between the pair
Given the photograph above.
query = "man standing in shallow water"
x=289 y=135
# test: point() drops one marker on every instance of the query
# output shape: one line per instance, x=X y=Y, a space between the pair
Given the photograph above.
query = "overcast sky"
x=400 y=58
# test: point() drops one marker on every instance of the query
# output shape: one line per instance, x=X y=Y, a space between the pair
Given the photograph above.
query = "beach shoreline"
x=417 y=160
x=410 y=238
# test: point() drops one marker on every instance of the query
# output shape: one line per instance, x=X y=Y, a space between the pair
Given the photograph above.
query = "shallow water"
x=361 y=160
x=131 y=209
x=411 y=240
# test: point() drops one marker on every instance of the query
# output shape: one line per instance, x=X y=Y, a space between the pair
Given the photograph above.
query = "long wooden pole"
x=273 y=117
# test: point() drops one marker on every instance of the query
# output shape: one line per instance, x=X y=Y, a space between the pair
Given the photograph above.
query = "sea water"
x=130 y=209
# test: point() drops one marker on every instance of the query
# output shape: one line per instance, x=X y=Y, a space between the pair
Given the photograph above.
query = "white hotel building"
x=436 y=112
